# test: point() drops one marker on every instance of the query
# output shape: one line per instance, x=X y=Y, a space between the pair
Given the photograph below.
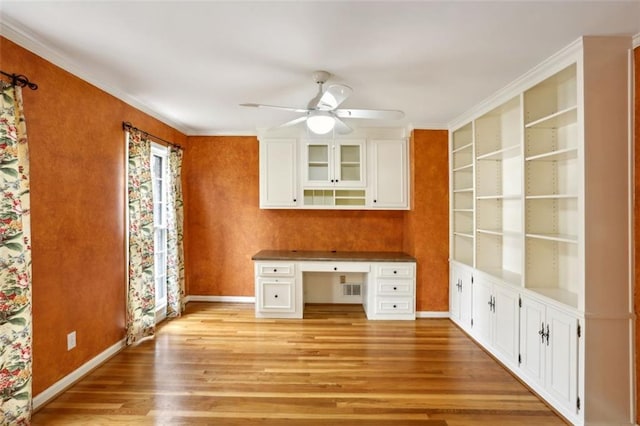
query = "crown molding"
x=636 y=41
x=26 y=40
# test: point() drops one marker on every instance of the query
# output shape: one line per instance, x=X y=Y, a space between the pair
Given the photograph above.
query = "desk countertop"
x=342 y=256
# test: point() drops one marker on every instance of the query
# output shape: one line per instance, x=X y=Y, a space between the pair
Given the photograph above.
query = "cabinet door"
x=317 y=163
x=278 y=173
x=505 y=323
x=482 y=312
x=389 y=174
x=276 y=295
x=349 y=165
x=561 y=362
x=454 y=294
x=531 y=340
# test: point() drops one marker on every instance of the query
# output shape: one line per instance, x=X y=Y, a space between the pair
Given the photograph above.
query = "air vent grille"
x=351 y=289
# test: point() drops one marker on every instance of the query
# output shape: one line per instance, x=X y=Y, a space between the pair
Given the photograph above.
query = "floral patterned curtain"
x=141 y=288
x=175 y=253
x=15 y=262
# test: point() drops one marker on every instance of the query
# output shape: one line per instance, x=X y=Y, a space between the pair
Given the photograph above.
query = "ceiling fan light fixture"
x=320 y=122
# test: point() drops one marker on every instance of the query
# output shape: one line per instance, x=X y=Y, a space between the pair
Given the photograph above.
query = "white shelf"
x=509 y=277
x=463 y=234
x=556 y=120
x=561 y=238
x=462 y=148
x=465 y=168
x=463 y=210
x=552 y=197
x=508 y=152
x=559 y=155
x=565 y=297
x=499 y=197
x=457 y=191
x=499 y=232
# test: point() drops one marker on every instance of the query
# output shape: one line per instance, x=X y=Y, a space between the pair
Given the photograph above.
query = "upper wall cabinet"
x=540 y=193
x=278 y=173
x=356 y=174
x=331 y=163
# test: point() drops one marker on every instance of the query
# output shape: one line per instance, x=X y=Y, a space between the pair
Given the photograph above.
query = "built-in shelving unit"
x=498 y=165
x=540 y=230
x=463 y=195
x=552 y=177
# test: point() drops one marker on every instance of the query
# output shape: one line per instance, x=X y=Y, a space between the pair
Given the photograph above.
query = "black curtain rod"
x=128 y=126
x=20 y=80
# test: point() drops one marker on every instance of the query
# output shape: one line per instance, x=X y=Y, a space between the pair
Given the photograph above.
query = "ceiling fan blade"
x=334 y=96
x=341 y=127
x=377 y=114
x=294 y=121
x=275 y=107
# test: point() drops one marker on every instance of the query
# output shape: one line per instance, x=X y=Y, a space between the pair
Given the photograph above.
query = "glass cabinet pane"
x=350 y=165
x=318 y=162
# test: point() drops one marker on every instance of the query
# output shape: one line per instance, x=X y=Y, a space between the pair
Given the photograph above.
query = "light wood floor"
x=218 y=365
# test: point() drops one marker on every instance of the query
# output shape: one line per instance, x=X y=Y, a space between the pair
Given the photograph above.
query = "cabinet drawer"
x=397 y=287
x=275 y=269
x=396 y=270
x=395 y=305
x=276 y=295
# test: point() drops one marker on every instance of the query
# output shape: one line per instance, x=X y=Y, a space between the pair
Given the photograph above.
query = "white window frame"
x=160 y=253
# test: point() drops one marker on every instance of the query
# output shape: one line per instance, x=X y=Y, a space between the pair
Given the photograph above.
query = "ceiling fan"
x=322 y=114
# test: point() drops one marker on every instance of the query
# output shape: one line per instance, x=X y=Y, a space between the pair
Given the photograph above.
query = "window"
x=159 y=166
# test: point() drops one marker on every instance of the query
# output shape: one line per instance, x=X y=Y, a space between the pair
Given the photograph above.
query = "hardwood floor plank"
x=219 y=365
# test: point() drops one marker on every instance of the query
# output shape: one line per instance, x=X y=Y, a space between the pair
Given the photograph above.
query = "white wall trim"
x=636 y=41
x=61 y=385
x=230 y=299
x=432 y=314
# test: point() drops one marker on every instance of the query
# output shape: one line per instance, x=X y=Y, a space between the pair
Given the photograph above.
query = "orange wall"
x=77 y=158
x=225 y=225
x=426 y=227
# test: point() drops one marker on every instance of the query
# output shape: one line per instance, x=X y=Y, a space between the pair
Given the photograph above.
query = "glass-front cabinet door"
x=334 y=163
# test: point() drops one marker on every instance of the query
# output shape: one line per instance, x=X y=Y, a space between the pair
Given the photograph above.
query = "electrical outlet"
x=71 y=340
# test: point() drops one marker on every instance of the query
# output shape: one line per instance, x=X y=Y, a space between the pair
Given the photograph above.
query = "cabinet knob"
x=395 y=272
x=276 y=296
x=294 y=200
x=335 y=268
x=375 y=201
x=275 y=270
x=395 y=288
x=395 y=306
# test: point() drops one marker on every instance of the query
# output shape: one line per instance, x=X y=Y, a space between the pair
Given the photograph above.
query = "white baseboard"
x=231 y=299
x=432 y=314
x=62 y=384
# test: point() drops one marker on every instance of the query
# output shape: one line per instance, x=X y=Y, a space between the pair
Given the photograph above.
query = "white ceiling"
x=190 y=63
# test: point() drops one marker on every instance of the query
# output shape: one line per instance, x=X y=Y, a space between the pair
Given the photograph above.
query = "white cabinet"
x=278 y=173
x=460 y=295
x=355 y=174
x=540 y=208
x=496 y=318
x=329 y=163
x=389 y=173
x=392 y=291
x=278 y=292
x=549 y=352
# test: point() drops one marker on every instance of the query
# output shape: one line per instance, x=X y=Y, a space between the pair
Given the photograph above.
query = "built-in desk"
x=388 y=290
